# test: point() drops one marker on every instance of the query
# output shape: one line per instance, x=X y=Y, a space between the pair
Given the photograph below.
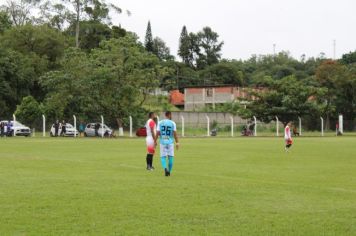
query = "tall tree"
x=149 y=38
x=210 y=47
x=19 y=11
x=184 y=47
x=161 y=50
x=60 y=12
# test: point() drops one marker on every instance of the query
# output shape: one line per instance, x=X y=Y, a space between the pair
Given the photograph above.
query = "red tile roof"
x=176 y=98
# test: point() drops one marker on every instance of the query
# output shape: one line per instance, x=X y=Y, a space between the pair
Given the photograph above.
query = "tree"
x=92 y=33
x=287 y=99
x=41 y=41
x=120 y=68
x=348 y=58
x=184 y=47
x=5 y=22
x=16 y=80
x=58 y=12
x=329 y=74
x=19 y=11
x=210 y=48
x=345 y=100
x=161 y=50
x=149 y=44
x=222 y=73
x=29 y=110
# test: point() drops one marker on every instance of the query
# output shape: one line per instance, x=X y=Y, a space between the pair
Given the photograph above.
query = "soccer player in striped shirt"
x=288 y=136
x=150 y=140
x=167 y=132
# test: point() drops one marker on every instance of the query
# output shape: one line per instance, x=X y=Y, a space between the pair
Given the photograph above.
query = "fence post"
x=322 y=126
x=341 y=124
x=130 y=126
x=44 y=125
x=255 y=119
x=182 y=118
x=208 y=125
x=13 y=125
x=232 y=126
x=277 y=126
x=300 y=126
x=75 y=125
x=102 y=126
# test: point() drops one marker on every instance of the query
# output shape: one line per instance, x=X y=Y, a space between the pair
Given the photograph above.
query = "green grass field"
x=221 y=186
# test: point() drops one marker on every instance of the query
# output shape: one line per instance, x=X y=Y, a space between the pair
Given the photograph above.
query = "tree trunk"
x=327 y=122
x=77 y=24
x=119 y=122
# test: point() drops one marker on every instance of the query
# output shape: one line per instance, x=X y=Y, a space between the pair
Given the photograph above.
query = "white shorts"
x=167 y=150
x=150 y=143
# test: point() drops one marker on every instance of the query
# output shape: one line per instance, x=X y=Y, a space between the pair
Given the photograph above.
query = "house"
x=176 y=98
x=196 y=98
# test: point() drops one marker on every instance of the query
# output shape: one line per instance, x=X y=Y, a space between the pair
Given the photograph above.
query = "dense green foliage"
x=69 y=55
x=244 y=186
x=29 y=110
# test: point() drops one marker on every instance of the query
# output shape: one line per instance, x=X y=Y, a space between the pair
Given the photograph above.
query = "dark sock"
x=150 y=159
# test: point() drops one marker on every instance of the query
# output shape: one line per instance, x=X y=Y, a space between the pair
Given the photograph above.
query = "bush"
x=29 y=111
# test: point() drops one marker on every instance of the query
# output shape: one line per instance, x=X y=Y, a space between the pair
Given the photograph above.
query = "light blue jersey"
x=166 y=128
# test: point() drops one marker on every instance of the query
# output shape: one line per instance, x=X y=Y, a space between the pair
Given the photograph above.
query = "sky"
x=250 y=27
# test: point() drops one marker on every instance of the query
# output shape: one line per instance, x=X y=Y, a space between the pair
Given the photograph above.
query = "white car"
x=70 y=131
x=18 y=128
x=90 y=130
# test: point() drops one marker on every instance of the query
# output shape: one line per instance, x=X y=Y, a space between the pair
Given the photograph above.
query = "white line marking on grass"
x=255 y=181
x=333 y=189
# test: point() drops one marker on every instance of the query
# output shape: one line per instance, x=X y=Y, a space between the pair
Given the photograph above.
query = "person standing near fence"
x=150 y=140
x=56 y=128
x=2 y=128
x=288 y=136
x=63 y=128
x=81 y=128
x=167 y=132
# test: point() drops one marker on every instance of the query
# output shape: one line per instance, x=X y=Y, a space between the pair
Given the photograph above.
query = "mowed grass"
x=219 y=186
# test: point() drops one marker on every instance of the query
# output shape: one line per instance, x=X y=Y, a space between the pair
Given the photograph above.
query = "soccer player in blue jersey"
x=167 y=133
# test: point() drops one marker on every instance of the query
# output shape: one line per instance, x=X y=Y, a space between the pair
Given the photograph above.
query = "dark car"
x=141 y=132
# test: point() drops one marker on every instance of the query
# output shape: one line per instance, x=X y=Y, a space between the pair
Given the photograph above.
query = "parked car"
x=90 y=130
x=70 y=131
x=18 y=128
x=141 y=132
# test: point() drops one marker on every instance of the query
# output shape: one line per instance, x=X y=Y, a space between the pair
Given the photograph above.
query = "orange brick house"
x=196 y=98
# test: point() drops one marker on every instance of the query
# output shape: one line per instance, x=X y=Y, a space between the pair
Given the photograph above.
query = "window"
x=209 y=92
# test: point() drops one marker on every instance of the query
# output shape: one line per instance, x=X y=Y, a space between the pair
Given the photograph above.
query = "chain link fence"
x=202 y=124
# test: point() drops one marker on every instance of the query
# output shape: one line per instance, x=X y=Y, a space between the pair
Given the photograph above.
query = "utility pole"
x=274 y=49
x=334 y=44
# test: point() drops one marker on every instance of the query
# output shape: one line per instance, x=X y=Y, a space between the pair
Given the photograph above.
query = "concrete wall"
x=197 y=98
x=198 y=119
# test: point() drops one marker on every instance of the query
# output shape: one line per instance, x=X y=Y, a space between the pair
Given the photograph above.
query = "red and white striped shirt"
x=287 y=134
x=150 y=125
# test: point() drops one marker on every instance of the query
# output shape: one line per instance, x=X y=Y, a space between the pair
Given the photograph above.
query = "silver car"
x=96 y=129
x=18 y=128
x=70 y=131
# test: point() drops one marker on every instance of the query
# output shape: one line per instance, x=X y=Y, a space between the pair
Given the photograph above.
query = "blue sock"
x=163 y=162
x=170 y=163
